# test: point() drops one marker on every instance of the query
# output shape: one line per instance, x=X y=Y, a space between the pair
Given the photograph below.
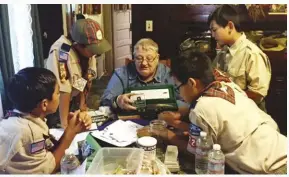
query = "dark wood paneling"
x=276 y=101
x=174 y=23
x=50 y=18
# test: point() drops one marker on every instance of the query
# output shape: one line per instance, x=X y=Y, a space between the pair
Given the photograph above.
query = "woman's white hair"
x=146 y=44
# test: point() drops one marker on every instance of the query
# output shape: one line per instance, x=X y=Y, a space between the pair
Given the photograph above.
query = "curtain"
x=37 y=37
x=20 y=23
x=6 y=60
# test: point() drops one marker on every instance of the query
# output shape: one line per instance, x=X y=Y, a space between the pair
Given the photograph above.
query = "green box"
x=152 y=106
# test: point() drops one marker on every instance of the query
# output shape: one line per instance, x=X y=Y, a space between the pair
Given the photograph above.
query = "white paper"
x=120 y=133
x=57 y=133
x=154 y=93
x=93 y=126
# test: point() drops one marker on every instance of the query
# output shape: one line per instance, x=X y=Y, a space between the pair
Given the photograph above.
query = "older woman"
x=143 y=71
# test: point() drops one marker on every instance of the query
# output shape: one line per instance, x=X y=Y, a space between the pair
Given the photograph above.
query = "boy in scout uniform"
x=241 y=59
x=223 y=110
x=73 y=60
x=25 y=143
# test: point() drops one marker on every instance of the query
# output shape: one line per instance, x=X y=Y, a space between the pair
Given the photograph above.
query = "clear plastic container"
x=202 y=151
x=158 y=130
x=117 y=161
x=216 y=160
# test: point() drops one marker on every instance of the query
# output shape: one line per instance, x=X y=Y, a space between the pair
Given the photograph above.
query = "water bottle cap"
x=203 y=134
x=216 y=147
x=195 y=130
x=67 y=151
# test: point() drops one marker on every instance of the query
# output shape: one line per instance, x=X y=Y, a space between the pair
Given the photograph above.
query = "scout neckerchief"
x=217 y=89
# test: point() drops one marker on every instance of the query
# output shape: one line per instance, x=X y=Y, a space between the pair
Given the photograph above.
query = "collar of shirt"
x=158 y=75
x=38 y=121
x=67 y=41
x=233 y=49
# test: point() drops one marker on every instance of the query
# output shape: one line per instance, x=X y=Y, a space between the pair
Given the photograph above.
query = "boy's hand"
x=172 y=118
x=85 y=119
x=79 y=121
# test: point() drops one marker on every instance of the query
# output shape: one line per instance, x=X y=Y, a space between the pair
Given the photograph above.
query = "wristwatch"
x=114 y=104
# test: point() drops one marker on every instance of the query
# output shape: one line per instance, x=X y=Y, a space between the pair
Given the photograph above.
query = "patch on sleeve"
x=63 y=56
x=37 y=146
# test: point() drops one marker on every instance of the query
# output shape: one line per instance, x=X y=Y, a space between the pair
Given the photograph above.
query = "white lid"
x=216 y=147
x=203 y=134
x=147 y=141
x=67 y=152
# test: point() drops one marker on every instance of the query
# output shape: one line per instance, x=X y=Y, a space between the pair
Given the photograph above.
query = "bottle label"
x=216 y=166
x=194 y=134
x=192 y=144
x=149 y=151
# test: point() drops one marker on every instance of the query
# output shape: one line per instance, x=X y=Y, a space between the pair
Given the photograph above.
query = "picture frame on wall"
x=277 y=9
x=92 y=9
x=121 y=7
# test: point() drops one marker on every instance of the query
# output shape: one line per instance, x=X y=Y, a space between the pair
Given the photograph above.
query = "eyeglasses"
x=179 y=86
x=149 y=59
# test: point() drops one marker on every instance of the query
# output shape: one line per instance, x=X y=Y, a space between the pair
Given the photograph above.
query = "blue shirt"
x=127 y=76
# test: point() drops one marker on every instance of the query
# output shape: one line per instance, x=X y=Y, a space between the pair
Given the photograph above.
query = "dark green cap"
x=89 y=33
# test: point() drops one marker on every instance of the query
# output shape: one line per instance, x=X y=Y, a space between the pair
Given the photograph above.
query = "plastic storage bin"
x=117 y=161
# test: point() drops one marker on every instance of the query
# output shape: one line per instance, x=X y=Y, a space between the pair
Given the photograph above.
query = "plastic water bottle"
x=194 y=132
x=216 y=160
x=68 y=163
x=202 y=151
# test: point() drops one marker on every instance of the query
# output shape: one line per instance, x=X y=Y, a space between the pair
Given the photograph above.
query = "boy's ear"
x=192 y=82
x=231 y=26
x=43 y=104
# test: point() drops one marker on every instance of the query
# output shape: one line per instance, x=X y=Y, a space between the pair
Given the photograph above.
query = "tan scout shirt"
x=16 y=137
x=248 y=66
x=74 y=69
x=250 y=145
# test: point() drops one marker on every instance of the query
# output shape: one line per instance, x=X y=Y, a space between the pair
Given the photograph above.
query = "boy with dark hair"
x=241 y=59
x=73 y=60
x=223 y=110
x=26 y=146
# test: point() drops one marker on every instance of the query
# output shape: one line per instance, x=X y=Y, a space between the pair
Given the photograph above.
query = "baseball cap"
x=89 y=33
